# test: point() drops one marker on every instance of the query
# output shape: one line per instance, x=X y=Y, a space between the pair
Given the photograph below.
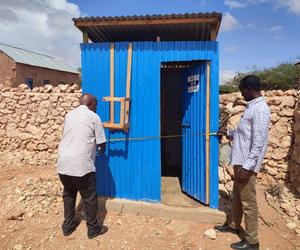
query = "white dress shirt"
x=250 y=138
x=83 y=130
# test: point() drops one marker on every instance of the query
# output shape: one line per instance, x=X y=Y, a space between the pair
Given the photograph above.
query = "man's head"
x=89 y=100
x=250 y=87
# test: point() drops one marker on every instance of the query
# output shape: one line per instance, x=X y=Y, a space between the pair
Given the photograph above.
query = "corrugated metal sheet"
x=132 y=169
x=193 y=178
x=149 y=17
x=35 y=59
x=174 y=27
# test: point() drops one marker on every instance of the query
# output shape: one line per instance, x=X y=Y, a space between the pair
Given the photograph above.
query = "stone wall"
x=31 y=122
x=277 y=164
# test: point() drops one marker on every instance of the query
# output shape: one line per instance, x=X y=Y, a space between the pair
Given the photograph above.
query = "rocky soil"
x=31 y=214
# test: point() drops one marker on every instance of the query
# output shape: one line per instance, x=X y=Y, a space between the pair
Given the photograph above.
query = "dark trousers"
x=86 y=185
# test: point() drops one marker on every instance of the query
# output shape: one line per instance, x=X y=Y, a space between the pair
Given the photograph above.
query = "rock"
x=291 y=225
x=288 y=209
x=23 y=87
x=31 y=146
x=63 y=87
x=287 y=101
x=273 y=101
x=42 y=146
x=119 y=222
x=211 y=234
x=272 y=163
x=18 y=246
x=48 y=88
x=271 y=171
x=287 y=112
x=274 y=117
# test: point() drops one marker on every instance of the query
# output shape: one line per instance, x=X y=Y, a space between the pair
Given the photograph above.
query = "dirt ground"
x=31 y=214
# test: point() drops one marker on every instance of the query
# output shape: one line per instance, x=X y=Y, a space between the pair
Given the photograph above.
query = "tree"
x=284 y=76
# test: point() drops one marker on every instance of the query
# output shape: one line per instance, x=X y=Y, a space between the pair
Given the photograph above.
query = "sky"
x=253 y=33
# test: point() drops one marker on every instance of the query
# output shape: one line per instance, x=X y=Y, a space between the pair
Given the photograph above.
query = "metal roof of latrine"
x=173 y=27
x=35 y=59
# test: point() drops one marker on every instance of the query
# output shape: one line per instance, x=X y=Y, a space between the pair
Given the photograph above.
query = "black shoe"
x=101 y=230
x=72 y=229
x=226 y=228
x=244 y=245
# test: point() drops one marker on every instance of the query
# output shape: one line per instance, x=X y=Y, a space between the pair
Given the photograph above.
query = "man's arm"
x=100 y=135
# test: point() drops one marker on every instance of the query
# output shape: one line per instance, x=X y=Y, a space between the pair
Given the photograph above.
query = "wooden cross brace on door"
x=124 y=101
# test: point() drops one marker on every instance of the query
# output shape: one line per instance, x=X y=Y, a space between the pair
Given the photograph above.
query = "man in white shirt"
x=83 y=134
x=249 y=144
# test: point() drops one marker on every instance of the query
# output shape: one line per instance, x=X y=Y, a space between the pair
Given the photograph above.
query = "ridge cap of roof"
x=26 y=50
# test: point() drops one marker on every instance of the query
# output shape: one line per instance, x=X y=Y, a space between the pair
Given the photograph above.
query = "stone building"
x=19 y=66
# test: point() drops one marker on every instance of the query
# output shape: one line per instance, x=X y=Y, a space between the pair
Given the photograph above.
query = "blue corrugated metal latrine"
x=159 y=76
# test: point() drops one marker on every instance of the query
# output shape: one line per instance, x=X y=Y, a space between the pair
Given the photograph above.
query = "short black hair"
x=250 y=81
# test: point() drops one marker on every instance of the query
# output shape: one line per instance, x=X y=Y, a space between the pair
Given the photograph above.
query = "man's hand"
x=102 y=147
x=243 y=175
x=223 y=132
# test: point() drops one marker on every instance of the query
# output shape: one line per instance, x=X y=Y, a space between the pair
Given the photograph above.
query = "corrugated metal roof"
x=173 y=27
x=35 y=59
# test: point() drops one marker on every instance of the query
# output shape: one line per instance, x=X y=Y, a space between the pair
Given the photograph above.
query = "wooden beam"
x=112 y=125
x=214 y=32
x=122 y=111
x=85 y=36
x=207 y=137
x=128 y=82
x=146 y=21
x=114 y=99
x=112 y=82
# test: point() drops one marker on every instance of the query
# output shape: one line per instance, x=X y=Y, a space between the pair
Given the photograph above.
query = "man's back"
x=77 y=149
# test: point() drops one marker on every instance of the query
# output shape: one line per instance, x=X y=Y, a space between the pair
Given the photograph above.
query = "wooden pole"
x=207 y=141
x=85 y=37
x=128 y=82
x=112 y=82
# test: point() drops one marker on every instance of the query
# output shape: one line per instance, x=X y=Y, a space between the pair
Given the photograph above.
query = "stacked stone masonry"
x=282 y=161
x=31 y=122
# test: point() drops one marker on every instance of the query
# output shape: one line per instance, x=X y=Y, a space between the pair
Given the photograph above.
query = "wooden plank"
x=128 y=82
x=114 y=99
x=214 y=32
x=112 y=125
x=122 y=111
x=207 y=137
x=112 y=82
x=85 y=37
x=146 y=21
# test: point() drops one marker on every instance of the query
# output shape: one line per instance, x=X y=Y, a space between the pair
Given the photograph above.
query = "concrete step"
x=200 y=214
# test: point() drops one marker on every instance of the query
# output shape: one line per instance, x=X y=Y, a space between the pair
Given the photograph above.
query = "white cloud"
x=44 y=26
x=276 y=28
x=226 y=76
x=229 y=22
x=230 y=48
x=293 y=6
x=234 y=4
x=250 y=25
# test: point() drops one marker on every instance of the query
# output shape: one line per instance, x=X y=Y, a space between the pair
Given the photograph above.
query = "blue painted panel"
x=193 y=160
x=132 y=169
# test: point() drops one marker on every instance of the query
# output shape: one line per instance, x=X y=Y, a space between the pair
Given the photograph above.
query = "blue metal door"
x=193 y=130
